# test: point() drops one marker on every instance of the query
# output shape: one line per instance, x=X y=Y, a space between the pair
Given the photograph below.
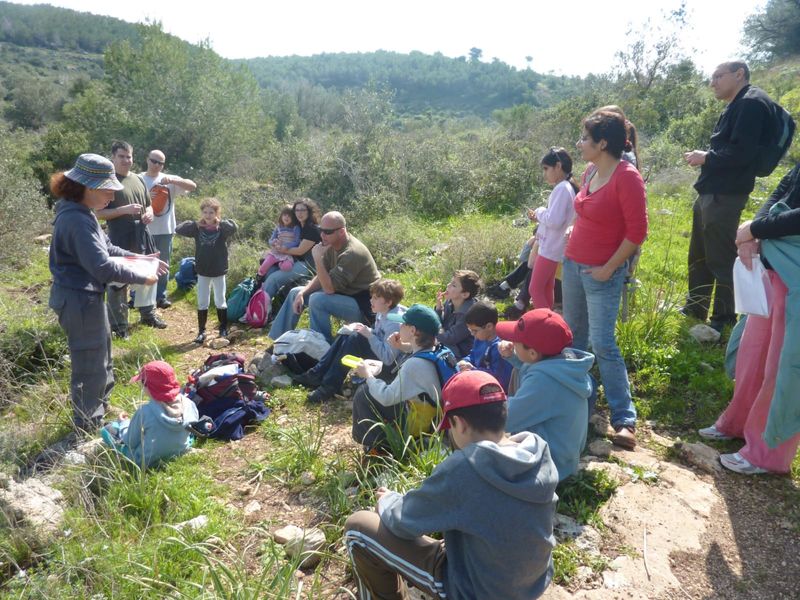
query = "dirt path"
x=689 y=535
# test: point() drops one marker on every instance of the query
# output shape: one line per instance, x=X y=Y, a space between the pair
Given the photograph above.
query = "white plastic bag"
x=751 y=288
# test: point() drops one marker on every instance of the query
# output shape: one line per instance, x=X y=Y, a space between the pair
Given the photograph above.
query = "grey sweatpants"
x=118 y=309
x=82 y=315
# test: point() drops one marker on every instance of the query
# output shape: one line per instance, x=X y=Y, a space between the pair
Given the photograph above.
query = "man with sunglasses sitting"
x=345 y=271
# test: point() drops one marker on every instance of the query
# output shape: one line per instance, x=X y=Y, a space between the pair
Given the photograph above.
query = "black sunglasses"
x=329 y=231
x=156 y=162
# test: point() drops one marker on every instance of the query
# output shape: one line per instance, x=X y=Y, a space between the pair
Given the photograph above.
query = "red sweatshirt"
x=615 y=212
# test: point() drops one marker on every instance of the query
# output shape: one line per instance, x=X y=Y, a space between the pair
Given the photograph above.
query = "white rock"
x=600 y=448
x=701 y=456
x=281 y=381
x=613 y=581
x=704 y=334
x=252 y=507
x=32 y=503
x=301 y=542
x=566 y=527
x=218 y=343
x=195 y=524
x=307 y=478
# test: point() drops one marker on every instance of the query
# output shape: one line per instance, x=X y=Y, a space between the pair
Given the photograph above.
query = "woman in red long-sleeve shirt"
x=610 y=225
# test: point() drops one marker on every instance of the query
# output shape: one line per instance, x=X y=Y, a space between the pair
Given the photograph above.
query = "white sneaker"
x=712 y=433
x=738 y=464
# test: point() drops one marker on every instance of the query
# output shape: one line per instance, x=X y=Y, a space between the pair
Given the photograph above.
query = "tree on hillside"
x=475 y=54
x=203 y=111
x=775 y=32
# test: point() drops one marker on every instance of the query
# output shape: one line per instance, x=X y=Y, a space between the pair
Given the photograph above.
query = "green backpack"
x=240 y=296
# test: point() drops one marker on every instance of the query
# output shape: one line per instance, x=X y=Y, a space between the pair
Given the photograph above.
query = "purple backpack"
x=257 y=312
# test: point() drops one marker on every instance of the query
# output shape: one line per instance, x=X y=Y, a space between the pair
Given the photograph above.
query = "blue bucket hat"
x=95 y=172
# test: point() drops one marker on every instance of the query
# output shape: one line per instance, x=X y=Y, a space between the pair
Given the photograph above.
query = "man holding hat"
x=493 y=500
x=554 y=387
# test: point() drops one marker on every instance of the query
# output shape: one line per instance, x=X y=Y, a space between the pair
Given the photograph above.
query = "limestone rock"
x=31 y=503
x=218 y=343
x=701 y=456
x=195 y=524
x=43 y=240
x=307 y=478
x=254 y=366
x=301 y=542
x=281 y=381
x=599 y=423
x=600 y=448
x=704 y=334
x=614 y=581
x=586 y=538
x=252 y=507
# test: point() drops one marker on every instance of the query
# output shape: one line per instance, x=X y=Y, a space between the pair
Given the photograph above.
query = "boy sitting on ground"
x=554 y=388
x=452 y=305
x=481 y=320
x=329 y=374
x=492 y=499
x=410 y=401
x=159 y=429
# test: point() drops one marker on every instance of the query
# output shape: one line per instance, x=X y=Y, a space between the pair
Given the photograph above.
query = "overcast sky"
x=570 y=37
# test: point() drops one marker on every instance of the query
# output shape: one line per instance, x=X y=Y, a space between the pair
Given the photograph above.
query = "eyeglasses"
x=329 y=231
x=718 y=76
x=156 y=162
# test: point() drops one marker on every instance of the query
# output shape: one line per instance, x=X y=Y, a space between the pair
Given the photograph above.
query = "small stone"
x=251 y=508
x=619 y=563
x=218 y=343
x=613 y=581
x=599 y=423
x=73 y=457
x=661 y=440
x=704 y=334
x=281 y=381
x=214 y=541
x=705 y=366
x=701 y=456
x=254 y=366
x=600 y=448
x=439 y=248
x=566 y=527
x=664 y=211
x=307 y=478
x=301 y=542
x=195 y=524
x=244 y=490
x=584 y=573
x=299 y=574
x=589 y=540
x=43 y=240
x=351 y=492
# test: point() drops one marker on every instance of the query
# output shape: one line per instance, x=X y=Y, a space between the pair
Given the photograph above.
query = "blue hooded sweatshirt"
x=552 y=400
x=495 y=506
x=157 y=432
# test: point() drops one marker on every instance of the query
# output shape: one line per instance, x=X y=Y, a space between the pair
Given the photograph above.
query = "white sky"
x=570 y=37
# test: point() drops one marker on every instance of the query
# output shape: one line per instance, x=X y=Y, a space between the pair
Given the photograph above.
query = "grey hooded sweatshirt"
x=495 y=506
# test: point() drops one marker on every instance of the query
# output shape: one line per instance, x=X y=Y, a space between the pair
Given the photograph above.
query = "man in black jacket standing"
x=727 y=176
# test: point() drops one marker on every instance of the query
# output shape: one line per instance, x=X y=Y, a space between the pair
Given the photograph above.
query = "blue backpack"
x=186 y=276
x=444 y=360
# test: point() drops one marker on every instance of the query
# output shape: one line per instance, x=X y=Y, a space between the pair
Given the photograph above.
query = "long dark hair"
x=288 y=210
x=555 y=156
x=314 y=213
x=608 y=126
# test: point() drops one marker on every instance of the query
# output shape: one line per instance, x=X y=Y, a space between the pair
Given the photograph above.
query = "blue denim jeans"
x=163 y=244
x=321 y=308
x=276 y=278
x=330 y=367
x=590 y=310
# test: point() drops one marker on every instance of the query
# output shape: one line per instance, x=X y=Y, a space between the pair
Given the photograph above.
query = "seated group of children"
x=515 y=414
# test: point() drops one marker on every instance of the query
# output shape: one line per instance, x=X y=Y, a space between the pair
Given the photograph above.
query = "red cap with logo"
x=541 y=329
x=469 y=388
x=158 y=378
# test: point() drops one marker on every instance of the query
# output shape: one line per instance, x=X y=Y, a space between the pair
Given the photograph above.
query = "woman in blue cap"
x=81 y=267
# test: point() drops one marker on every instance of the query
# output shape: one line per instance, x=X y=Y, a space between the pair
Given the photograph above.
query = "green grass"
x=120 y=538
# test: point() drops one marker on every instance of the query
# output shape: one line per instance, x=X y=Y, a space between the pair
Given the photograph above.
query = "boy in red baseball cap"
x=493 y=499
x=159 y=428
x=554 y=384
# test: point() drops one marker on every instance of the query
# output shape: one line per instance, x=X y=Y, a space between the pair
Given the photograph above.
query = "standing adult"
x=128 y=216
x=308 y=214
x=345 y=271
x=610 y=224
x=163 y=226
x=81 y=269
x=727 y=176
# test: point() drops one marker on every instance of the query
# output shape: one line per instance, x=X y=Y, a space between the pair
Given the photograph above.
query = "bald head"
x=155 y=162
x=333 y=229
x=332 y=219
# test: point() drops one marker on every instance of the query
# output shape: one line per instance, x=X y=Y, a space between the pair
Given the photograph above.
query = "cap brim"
x=507 y=330
x=395 y=318
x=136 y=378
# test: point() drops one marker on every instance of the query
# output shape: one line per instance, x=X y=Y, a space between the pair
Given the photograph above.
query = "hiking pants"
x=383 y=562
x=117 y=301
x=369 y=414
x=82 y=316
x=712 y=252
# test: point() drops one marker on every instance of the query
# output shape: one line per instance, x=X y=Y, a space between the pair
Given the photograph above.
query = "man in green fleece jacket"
x=493 y=499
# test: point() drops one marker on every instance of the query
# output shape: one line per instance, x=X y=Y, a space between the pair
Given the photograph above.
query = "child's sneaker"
x=712 y=433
